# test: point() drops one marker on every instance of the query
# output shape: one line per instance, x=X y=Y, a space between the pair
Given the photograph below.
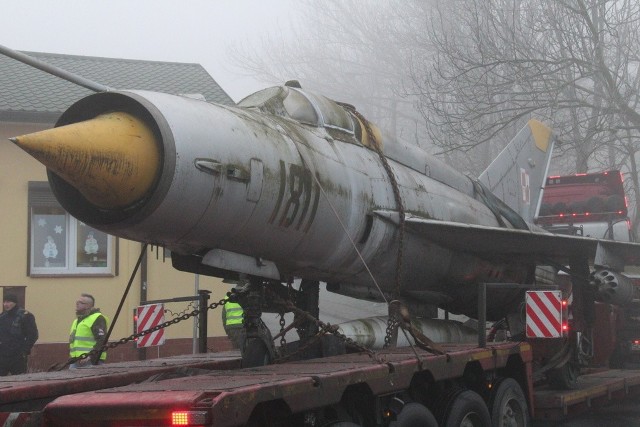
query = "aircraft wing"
x=496 y=242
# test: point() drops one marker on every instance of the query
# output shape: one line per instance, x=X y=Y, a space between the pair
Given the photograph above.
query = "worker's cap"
x=11 y=297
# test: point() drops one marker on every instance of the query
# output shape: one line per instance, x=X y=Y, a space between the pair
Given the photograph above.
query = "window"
x=59 y=244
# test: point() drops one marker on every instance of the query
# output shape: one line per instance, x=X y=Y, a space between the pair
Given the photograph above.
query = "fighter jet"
x=290 y=184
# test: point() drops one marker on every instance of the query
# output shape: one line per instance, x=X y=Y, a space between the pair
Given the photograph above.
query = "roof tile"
x=26 y=89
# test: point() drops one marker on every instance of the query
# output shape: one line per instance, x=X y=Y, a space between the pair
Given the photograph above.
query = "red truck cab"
x=591 y=204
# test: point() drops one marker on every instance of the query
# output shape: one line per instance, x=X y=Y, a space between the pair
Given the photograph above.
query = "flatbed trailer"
x=290 y=393
x=364 y=387
x=213 y=390
x=23 y=397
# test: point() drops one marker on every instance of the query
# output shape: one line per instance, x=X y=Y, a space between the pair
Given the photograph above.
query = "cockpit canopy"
x=304 y=107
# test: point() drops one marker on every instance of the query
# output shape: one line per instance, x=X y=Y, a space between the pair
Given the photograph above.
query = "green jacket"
x=85 y=336
x=232 y=315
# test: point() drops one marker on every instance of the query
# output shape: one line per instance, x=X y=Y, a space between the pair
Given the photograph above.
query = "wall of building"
x=52 y=299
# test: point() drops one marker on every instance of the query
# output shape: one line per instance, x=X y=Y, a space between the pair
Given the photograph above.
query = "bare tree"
x=352 y=51
x=567 y=62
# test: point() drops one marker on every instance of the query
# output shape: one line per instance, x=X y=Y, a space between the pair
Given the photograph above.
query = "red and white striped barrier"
x=149 y=316
x=544 y=314
x=20 y=419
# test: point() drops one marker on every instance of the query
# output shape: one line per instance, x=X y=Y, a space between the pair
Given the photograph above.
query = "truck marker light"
x=189 y=418
x=135 y=324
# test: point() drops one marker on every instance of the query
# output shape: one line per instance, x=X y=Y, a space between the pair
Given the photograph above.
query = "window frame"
x=40 y=196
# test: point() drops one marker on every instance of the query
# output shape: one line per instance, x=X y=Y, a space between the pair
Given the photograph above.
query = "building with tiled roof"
x=28 y=94
x=48 y=279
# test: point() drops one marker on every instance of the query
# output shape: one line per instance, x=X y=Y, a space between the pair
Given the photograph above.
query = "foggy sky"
x=193 y=31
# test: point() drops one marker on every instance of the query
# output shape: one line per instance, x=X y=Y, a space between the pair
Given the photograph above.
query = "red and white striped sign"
x=149 y=316
x=544 y=314
x=20 y=419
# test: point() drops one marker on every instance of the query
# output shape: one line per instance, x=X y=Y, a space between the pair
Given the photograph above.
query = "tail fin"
x=518 y=174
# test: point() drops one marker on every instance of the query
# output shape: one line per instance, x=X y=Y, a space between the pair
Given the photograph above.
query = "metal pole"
x=142 y=352
x=203 y=303
x=196 y=284
x=482 y=315
x=143 y=252
x=56 y=71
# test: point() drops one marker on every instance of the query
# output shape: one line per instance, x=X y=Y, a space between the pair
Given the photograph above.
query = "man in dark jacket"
x=18 y=333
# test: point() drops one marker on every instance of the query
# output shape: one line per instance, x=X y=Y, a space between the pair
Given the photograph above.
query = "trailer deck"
x=226 y=395
x=593 y=391
x=229 y=398
x=30 y=392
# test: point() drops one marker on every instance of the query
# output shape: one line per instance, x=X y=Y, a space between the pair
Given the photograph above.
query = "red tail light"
x=189 y=418
x=180 y=418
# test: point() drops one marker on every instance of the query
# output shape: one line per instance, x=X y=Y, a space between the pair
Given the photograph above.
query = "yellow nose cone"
x=113 y=159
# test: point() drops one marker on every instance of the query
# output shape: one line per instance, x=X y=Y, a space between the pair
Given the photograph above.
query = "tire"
x=565 y=377
x=255 y=353
x=467 y=409
x=415 y=415
x=508 y=405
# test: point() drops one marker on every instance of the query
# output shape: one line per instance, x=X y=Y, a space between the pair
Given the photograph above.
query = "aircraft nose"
x=113 y=160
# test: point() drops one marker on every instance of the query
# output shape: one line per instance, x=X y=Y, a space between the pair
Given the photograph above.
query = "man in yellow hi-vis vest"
x=232 y=315
x=88 y=332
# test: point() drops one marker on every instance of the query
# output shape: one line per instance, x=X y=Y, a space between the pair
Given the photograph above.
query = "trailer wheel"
x=508 y=405
x=255 y=353
x=415 y=415
x=467 y=409
x=565 y=377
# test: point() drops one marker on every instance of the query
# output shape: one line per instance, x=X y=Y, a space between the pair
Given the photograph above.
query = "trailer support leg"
x=482 y=315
